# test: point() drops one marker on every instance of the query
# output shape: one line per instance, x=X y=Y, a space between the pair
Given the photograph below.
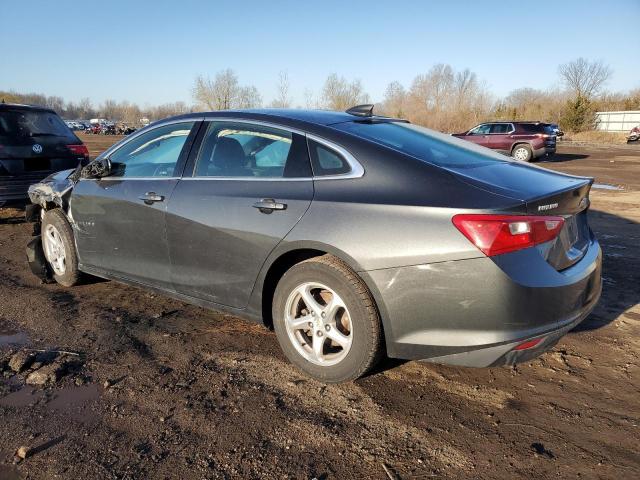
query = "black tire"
x=366 y=346
x=527 y=155
x=56 y=218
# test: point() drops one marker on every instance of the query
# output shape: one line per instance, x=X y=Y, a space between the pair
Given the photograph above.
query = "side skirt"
x=242 y=313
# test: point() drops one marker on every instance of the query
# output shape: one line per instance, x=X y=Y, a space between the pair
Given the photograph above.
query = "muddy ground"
x=154 y=388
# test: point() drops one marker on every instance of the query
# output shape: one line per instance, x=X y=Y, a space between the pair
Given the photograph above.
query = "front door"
x=251 y=184
x=119 y=220
x=479 y=135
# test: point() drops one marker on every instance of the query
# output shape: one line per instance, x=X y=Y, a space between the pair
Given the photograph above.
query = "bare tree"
x=340 y=94
x=225 y=92
x=585 y=78
x=221 y=93
x=248 y=97
x=309 y=99
x=395 y=97
x=283 y=98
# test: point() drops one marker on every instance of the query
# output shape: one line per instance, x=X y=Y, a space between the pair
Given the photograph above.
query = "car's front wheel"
x=326 y=320
x=59 y=248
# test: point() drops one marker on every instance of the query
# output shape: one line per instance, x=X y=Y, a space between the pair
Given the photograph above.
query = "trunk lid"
x=543 y=192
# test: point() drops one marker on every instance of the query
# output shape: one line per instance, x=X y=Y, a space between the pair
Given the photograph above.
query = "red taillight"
x=528 y=344
x=79 y=149
x=498 y=234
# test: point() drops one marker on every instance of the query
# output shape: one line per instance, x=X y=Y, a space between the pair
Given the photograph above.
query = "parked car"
x=34 y=142
x=555 y=128
x=352 y=235
x=524 y=141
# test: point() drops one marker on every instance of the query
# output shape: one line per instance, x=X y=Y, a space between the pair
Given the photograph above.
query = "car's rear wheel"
x=59 y=248
x=326 y=320
x=522 y=153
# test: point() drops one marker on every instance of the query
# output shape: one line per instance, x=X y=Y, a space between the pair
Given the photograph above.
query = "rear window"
x=424 y=144
x=534 y=127
x=32 y=123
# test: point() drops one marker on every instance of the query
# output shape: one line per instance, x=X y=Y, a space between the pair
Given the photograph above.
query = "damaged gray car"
x=354 y=236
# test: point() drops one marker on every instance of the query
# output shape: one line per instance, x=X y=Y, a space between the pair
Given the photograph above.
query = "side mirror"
x=98 y=168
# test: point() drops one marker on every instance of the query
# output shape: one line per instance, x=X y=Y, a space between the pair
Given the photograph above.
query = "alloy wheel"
x=318 y=324
x=521 y=154
x=54 y=250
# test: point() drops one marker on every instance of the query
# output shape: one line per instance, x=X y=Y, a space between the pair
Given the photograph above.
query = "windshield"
x=424 y=144
x=32 y=123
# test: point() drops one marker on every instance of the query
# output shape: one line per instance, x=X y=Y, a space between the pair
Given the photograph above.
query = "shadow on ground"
x=620 y=268
x=567 y=157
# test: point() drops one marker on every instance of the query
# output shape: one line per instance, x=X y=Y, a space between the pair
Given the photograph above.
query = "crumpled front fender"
x=54 y=190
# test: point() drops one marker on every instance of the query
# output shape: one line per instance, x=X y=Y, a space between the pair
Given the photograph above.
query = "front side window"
x=480 y=130
x=151 y=154
x=238 y=149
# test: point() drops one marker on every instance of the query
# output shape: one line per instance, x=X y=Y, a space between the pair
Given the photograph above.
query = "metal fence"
x=617 y=121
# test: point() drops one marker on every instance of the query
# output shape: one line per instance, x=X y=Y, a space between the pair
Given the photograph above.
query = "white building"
x=617 y=121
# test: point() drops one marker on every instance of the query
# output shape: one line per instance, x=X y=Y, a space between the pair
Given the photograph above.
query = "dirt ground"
x=160 y=389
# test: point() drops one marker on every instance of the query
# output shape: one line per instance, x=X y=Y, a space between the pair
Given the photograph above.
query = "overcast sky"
x=149 y=52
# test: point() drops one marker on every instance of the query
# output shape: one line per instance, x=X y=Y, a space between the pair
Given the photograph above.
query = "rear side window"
x=326 y=161
x=424 y=144
x=238 y=149
x=32 y=123
x=501 y=128
x=532 y=128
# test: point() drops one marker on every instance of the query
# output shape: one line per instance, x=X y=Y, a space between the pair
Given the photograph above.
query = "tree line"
x=442 y=98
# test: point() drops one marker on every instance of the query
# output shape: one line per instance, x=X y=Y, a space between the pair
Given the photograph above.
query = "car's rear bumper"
x=546 y=150
x=475 y=312
x=16 y=187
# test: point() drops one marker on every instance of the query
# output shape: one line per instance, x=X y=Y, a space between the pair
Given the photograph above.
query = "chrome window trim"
x=513 y=128
x=252 y=179
x=121 y=179
x=161 y=123
x=357 y=170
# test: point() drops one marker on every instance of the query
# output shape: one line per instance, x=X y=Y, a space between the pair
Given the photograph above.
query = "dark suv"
x=524 y=141
x=34 y=142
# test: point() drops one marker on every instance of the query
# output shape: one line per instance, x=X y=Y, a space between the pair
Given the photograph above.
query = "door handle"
x=268 y=205
x=150 y=198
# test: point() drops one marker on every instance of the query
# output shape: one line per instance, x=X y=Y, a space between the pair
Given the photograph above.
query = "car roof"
x=517 y=122
x=289 y=116
x=20 y=106
x=318 y=117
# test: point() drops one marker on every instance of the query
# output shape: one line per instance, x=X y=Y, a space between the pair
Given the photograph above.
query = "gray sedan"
x=353 y=235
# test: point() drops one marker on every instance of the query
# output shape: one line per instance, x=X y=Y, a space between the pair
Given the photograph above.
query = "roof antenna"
x=365 y=110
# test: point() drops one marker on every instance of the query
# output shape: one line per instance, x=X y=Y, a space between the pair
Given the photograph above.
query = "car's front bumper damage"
x=52 y=192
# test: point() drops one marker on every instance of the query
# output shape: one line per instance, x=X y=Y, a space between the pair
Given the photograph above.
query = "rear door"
x=120 y=219
x=501 y=137
x=250 y=184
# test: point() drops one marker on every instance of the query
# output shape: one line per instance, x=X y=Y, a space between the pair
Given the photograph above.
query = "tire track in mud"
x=338 y=401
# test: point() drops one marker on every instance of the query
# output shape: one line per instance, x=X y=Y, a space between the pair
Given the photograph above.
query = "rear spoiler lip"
x=554 y=200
